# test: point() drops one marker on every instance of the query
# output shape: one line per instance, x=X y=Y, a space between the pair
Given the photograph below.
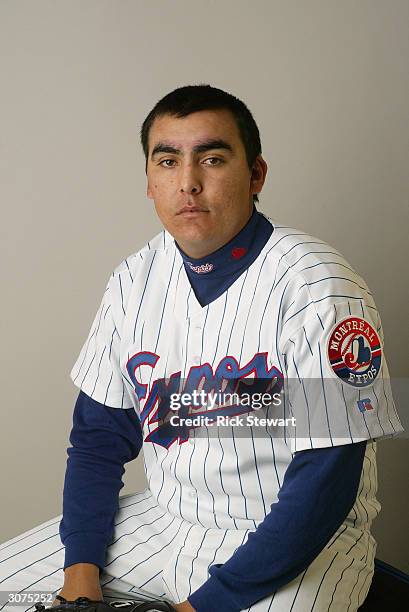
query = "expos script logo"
x=228 y=374
x=202 y=269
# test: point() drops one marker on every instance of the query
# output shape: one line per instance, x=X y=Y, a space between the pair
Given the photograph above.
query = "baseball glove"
x=84 y=604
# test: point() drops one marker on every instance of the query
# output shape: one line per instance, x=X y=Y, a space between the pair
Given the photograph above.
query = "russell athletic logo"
x=354 y=352
x=364 y=405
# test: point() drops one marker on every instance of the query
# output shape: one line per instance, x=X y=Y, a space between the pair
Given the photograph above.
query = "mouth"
x=190 y=211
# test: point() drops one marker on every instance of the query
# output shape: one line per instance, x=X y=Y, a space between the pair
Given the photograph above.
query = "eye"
x=166 y=160
x=215 y=159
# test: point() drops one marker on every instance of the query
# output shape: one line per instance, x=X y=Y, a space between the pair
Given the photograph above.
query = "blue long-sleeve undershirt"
x=103 y=439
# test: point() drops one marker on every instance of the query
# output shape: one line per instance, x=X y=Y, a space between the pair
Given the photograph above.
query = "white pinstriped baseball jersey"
x=299 y=309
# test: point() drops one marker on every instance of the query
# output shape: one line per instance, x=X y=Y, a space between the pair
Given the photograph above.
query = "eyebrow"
x=207 y=145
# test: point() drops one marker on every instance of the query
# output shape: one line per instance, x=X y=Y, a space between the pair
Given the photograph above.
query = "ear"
x=258 y=175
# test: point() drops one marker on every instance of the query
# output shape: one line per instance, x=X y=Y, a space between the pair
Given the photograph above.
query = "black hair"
x=192 y=98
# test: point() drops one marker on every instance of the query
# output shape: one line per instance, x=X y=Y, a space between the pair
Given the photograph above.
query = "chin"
x=191 y=231
x=193 y=236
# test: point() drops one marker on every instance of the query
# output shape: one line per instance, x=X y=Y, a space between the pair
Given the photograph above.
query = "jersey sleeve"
x=337 y=385
x=97 y=370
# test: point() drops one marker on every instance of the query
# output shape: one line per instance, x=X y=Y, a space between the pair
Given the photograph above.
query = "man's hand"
x=184 y=606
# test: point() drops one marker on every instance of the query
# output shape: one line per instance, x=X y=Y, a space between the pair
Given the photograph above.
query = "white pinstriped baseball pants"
x=169 y=557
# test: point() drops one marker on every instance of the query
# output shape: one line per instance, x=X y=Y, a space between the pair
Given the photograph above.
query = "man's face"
x=199 y=179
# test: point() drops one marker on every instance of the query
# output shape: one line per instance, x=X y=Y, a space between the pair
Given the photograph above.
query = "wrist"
x=81 y=580
x=86 y=569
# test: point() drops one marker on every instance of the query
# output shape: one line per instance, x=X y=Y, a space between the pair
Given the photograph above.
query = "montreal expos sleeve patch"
x=354 y=352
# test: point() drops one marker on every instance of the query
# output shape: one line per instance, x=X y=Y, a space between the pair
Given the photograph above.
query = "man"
x=235 y=517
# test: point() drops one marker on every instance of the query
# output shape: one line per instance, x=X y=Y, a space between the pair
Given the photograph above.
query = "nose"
x=190 y=182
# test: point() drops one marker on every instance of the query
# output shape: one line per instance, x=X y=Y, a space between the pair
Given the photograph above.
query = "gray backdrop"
x=328 y=84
